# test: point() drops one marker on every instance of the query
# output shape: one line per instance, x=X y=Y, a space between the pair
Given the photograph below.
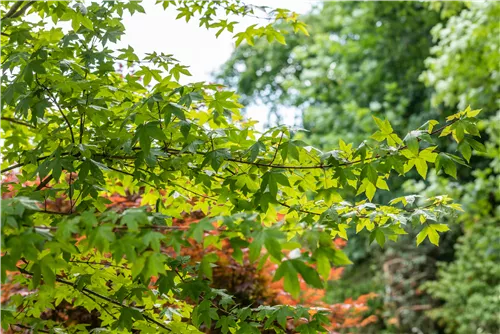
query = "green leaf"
x=172 y=109
x=422 y=235
x=421 y=166
x=445 y=162
x=255 y=149
x=206 y=264
x=49 y=277
x=323 y=263
x=379 y=236
x=465 y=149
x=412 y=143
x=273 y=247
x=371 y=174
x=197 y=230
x=36 y=269
x=475 y=144
x=185 y=128
x=127 y=317
x=216 y=158
x=384 y=126
x=291 y=281
x=440 y=227
x=340 y=258
x=308 y=274
x=433 y=235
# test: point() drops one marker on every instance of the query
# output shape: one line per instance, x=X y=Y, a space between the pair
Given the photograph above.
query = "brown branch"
x=194 y=192
x=321 y=166
x=12 y=10
x=82 y=121
x=98 y=264
x=22 y=10
x=32 y=330
x=104 y=308
x=44 y=182
x=52 y=213
x=12 y=167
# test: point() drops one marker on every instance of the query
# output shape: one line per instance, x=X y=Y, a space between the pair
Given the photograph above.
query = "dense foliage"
x=406 y=61
x=76 y=132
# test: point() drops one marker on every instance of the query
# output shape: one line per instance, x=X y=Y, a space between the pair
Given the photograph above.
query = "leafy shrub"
x=469 y=287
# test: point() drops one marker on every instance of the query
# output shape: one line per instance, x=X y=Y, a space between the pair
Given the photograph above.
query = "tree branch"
x=32 y=330
x=277 y=148
x=44 y=182
x=12 y=10
x=59 y=108
x=22 y=10
x=178 y=151
x=21 y=164
x=321 y=166
x=116 y=228
x=13 y=120
x=299 y=210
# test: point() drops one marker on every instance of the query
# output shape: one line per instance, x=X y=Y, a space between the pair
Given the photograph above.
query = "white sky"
x=195 y=46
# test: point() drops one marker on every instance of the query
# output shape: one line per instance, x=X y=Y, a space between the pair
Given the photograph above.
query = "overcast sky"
x=195 y=46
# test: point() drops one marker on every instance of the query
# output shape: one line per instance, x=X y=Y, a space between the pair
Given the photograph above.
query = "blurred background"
x=408 y=62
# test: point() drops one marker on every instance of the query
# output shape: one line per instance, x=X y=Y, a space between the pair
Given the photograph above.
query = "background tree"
x=406 y=61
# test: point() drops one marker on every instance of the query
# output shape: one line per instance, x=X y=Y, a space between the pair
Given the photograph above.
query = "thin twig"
x=44 y=182
x=21 y=164
x=98 y=264
x=99 y=304
x=13 y=120
x=70 y=189
x=149 y=227
x=277 y=148
x=299 y=210
x=59 y=108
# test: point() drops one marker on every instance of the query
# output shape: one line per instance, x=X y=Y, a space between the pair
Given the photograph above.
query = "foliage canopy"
x=85 y=131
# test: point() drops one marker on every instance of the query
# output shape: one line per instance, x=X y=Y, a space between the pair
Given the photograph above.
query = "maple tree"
x=76 y=130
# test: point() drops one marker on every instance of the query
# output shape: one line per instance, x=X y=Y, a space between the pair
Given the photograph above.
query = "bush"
x=470 y=286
